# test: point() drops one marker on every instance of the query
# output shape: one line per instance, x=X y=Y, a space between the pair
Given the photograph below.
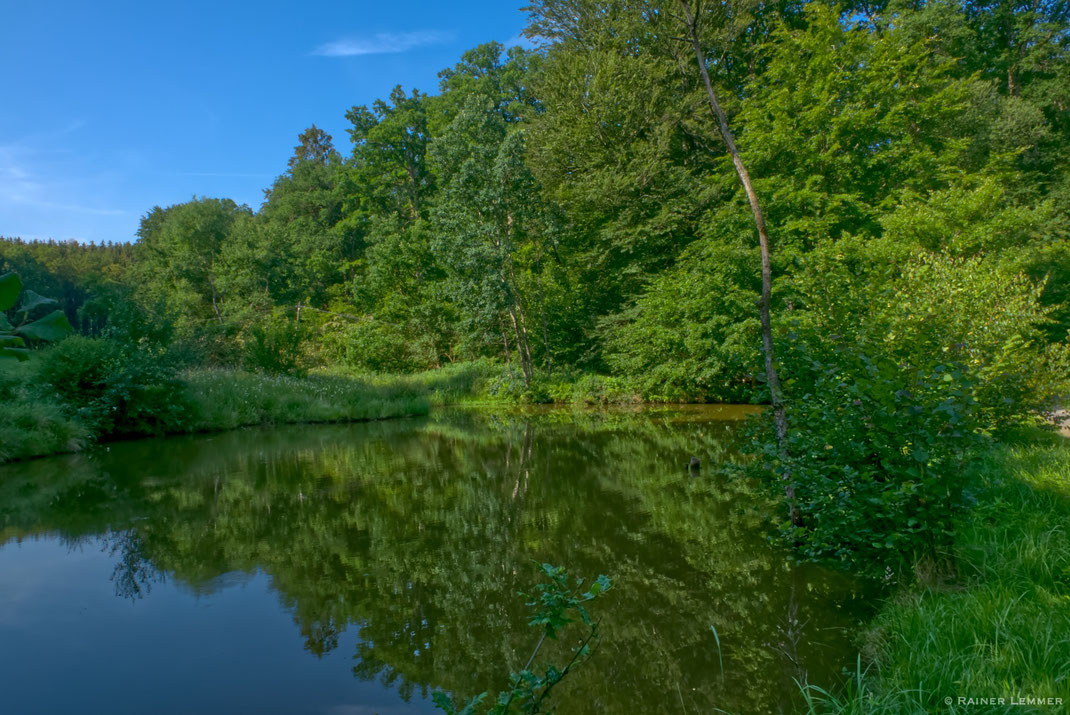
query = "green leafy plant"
x=876 y=454
x=117 y=389
x=557 y=606
x=274 y=346
x=901 y=364
x=50 y=327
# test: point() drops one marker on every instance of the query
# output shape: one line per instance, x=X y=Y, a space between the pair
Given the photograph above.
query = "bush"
x=117 y=390
x=374 y=346
x=896 y=371
x=1000 y=631
x=34 y=427
x=582 y=389
x=275 y=346
x=876 y=453
x=692 y=334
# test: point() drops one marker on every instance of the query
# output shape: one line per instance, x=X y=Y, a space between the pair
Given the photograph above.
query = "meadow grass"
x=1004 y=629
x=478 y=382
x=35 y=423
x=32 y=424
x=491 y=382
x=31 y=428
x=226 y=399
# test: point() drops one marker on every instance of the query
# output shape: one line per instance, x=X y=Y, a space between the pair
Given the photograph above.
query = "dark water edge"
x=355 y=568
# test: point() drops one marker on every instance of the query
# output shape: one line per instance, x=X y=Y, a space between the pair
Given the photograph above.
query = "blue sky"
x=110 y=108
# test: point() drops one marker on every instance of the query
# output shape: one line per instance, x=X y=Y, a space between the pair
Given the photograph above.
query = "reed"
x=1001 y=631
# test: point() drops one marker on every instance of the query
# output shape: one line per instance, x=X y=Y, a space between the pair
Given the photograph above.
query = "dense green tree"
x=300 y=235
x=489 y=223
x=574 y=206
x=388 y=167
x=179 y=257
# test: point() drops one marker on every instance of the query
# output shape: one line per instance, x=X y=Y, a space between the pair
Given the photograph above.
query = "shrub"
x=78 y=367
x=876 y=453
x=896 y=371
x=374 y=346
x=117 y=390
x=693 y=332
x=275 y=346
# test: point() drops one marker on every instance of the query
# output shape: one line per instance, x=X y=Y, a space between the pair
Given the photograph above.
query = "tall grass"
x=490 y=382
x=466 y=383
x=35 y=422
x=30 y=428
x=225 y=399
x=1004 y=630
x=32 y=423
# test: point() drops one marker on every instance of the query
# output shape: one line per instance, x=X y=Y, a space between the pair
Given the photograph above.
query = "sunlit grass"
x=465 y=383
x=31 y=423
x=35 y=427
x=225 y=399
x=1004 y=630
x=36 y=424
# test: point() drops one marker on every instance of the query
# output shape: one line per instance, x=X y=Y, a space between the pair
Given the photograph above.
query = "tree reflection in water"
x=420 y=534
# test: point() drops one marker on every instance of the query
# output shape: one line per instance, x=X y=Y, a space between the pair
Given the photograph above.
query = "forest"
x=565 y=222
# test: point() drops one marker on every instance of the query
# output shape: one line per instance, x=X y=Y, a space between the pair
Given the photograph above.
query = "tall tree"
x=315 y=146
x=178 y=258
x=488 y=215
x=691 y=21
x=301 y=215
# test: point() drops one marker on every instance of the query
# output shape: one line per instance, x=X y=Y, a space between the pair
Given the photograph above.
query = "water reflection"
x=418 y=534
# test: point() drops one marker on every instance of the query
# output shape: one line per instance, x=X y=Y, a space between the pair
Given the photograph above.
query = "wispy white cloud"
x=519 y=40
x=46 y=194
x=221 y=174
x=20 y=186
x=382 y=43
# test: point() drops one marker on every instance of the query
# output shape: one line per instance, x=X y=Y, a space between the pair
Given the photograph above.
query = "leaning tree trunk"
x=776 y=395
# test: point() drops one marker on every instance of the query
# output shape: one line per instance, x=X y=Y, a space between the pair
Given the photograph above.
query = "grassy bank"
x=1003 y=630
x=37 y=422
x=225 y=399
x=490 y=382
x=41 y=419
x=34 y=424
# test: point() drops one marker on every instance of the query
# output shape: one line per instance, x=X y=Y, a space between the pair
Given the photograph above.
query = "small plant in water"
x=557 y=606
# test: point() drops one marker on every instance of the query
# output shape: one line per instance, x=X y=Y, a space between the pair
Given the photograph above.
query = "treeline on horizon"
x=572 y=209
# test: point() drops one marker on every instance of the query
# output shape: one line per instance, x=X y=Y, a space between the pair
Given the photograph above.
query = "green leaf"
x=53 y=326
x=12 y=354
x=31 y=300
x=443 y=702
x=5 y=324
x=10 y=287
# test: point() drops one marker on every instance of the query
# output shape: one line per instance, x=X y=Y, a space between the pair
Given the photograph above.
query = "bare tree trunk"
x=525 y=357
x=524 y=342
x=505 y=340
x=776 y=395
x=215 y=303
x=549 y=362
x=516 y=305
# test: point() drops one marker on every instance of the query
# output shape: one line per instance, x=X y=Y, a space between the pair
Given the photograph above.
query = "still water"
x=351 y=570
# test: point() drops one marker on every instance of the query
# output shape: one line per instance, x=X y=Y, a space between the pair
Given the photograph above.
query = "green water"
x=354 y=569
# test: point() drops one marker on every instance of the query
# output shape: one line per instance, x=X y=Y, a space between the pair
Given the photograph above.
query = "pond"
x=355 y=569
